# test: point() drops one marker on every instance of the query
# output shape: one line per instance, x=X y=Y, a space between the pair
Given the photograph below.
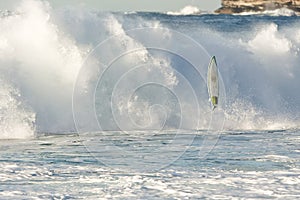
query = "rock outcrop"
x=239 y=6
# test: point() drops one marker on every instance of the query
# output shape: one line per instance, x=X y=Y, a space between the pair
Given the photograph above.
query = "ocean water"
x=110 y=105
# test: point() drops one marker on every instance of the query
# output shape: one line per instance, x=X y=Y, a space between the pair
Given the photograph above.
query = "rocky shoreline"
x=241 y=6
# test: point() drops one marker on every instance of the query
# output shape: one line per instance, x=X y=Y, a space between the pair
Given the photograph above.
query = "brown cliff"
x=239 y=6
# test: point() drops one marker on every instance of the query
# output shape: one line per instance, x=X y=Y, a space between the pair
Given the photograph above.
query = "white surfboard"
x=213 y=82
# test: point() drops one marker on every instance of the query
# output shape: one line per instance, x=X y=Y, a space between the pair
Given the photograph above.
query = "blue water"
x=101 y=105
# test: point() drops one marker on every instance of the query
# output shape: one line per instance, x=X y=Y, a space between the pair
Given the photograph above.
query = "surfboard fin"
x=214 y=107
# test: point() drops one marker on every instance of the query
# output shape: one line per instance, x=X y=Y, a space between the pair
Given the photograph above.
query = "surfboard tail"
x=214 y=100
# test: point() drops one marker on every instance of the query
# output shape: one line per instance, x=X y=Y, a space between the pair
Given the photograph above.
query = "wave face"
x=143 y=70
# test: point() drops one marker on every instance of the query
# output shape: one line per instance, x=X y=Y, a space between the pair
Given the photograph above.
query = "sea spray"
x=41 y=63
x=42 y=51
x=17 y=120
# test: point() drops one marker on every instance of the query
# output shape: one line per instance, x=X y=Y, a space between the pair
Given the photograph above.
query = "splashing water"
x=133 y=87
x=44 y=52
x=16 y=121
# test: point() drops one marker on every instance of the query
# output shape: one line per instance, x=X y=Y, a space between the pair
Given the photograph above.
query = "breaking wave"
x=187 y=10
x=123 y=81
x=277 y=12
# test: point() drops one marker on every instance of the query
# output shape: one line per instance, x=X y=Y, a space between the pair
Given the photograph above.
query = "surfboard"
x=213 y=82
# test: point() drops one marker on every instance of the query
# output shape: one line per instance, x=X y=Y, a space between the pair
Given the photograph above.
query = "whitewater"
x=113 y=105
